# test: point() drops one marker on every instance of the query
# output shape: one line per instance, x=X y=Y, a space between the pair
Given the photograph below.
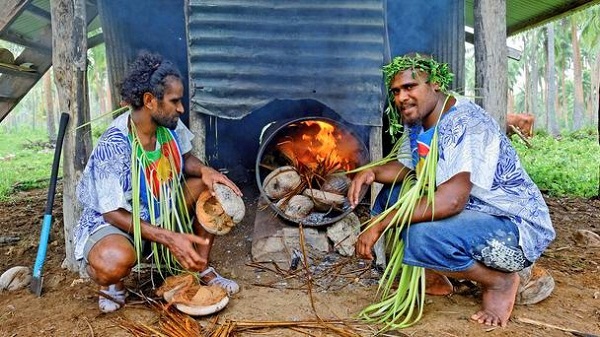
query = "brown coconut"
x=212 y=215
x=281 y=182
x=297 y=207
x=336 y=183
x=324 y=200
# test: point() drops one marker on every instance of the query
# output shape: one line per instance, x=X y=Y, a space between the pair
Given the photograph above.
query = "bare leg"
x=110 y=260
x=499 y=292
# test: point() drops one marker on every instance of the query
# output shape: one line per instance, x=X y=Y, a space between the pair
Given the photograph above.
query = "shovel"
x=36 y=280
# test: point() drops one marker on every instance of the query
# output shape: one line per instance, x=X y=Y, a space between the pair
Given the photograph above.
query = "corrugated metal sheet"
x=246 y=53
x=527 y=14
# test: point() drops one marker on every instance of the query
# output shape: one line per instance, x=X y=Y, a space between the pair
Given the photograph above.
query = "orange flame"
x=320 y=144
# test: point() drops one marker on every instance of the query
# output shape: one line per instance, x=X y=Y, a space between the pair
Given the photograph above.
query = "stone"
x=344 y=234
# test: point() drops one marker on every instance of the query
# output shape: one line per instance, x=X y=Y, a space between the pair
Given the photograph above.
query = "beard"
x=169 y=122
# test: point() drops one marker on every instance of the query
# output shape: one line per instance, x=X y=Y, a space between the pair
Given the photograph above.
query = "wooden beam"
x=513 y=53
x=14 y=38
x=9 y=11
x=21 y=85
x=40 y=13
x=14 y=72
x=95 y=40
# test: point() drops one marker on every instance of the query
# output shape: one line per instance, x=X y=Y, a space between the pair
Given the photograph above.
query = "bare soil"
x=68 y=305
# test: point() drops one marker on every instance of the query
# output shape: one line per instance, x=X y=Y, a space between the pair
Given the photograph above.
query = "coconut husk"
x=324 y=200
x=184 y=292
x=536 y=284
x=211 y=215
x=336 y=183
x=297 y=207
x=281 y=182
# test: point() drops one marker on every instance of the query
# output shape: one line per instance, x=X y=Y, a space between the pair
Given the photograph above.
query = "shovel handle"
x=46 y=224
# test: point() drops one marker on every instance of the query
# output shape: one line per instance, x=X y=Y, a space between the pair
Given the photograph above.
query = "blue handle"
x=41 y=254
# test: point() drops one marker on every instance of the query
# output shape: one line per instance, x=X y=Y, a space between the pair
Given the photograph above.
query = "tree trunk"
x=491 y=63
x=69 y=55
x=49 y=107
x=578 y=118
x=595 y=89
x=551 y=81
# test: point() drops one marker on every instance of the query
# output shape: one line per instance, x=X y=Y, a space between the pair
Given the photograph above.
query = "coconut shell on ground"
x=184 y=292
x=218 y=214
x=281 y=182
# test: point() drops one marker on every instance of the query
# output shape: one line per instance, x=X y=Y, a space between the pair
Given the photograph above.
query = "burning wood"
x=310 y=157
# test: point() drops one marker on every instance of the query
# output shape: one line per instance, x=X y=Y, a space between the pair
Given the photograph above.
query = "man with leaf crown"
x=456 y=202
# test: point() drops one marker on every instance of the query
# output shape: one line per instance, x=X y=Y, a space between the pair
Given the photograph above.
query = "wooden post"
x=491 y=57
x=69 y=56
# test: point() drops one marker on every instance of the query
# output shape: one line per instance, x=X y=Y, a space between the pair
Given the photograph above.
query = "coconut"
x=184 y=292
x=211 y=215
x=336 y=183
x=15 y=278
x=297 y=207
x=281 y=182
x=324 y=200
x=232 y=204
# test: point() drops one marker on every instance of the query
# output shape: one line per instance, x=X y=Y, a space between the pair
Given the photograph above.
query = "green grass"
x=566 y=167
x=25 y=161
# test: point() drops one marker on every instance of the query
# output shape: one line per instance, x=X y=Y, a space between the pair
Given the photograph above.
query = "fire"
x=320 y=146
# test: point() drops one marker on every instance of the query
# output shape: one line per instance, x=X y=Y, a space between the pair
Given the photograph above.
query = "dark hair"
x=148 y=73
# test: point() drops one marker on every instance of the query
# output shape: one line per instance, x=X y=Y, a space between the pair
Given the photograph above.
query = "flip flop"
x=114 y=300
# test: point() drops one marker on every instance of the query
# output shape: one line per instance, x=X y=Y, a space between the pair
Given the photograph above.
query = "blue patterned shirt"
x=471 y=141
x=106 y=181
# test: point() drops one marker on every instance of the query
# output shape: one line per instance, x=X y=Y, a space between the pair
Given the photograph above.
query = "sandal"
x=114 y=299
x=230 y=286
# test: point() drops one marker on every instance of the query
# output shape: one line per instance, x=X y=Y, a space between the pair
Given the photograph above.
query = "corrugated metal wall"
x=246 y=53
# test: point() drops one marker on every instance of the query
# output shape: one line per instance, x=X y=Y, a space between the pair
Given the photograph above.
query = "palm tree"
x=551 y=92
x=578 y=121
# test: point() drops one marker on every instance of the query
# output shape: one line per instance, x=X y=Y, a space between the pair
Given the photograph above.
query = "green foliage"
x=25 y=161
x=563 y=167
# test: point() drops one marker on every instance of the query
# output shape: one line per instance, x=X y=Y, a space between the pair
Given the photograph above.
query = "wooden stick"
x=546 y=325
x=520 y=134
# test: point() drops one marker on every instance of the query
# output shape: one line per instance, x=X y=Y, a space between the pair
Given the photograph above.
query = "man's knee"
x=111 y=259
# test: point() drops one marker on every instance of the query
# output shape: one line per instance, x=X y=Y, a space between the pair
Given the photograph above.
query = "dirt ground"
x=68 y=305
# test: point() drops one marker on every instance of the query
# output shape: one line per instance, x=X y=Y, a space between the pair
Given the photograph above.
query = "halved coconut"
x=211 y=215
x=297 y=207
x=324 y=200
x=281 y=182
x=191 y=298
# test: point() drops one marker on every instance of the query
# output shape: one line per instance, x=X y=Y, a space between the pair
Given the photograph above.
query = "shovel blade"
x=36 y=285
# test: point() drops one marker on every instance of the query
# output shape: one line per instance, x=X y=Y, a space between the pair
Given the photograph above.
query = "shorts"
x=456 y=243
x=98 y=235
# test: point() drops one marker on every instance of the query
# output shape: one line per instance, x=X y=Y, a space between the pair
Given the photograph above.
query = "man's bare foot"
x=498 y=301
x=437 y=284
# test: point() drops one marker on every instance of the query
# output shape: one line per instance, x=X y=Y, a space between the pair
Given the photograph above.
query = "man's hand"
x=367 y=239
x=182 y=247
x=365 y=177
x=211 y=176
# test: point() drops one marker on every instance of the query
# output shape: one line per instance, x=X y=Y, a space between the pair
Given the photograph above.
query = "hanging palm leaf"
x=401 y=304
x=160 y=183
